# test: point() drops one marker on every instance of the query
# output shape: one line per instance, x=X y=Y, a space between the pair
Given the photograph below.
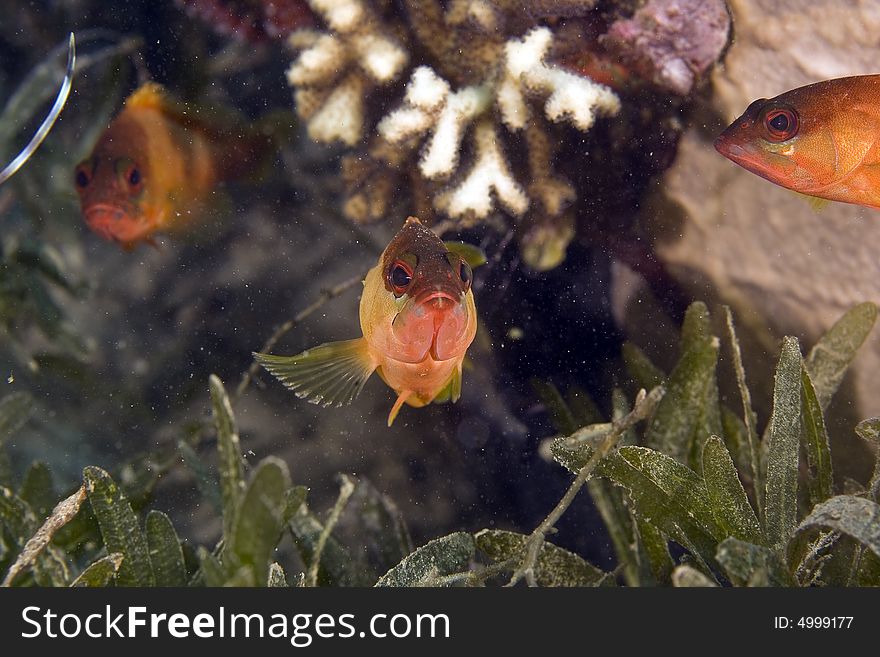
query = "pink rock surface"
x=672 y=43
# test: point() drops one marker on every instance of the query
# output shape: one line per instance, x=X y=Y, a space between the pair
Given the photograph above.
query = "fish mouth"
x=437 y=299
x=764 y=163
x=725 y=145
x=746 y=156
x=433 y=324
x=114 y=223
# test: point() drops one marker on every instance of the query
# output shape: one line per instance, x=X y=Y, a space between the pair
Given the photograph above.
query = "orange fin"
x=402 y=397
x=151 y=95
x=332 y=374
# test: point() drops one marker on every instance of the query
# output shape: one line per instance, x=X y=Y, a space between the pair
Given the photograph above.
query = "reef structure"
x=459 y=106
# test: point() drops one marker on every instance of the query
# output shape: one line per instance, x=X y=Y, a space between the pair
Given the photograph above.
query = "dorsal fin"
x=242 y=149
x=214 y=122
x=151 y=95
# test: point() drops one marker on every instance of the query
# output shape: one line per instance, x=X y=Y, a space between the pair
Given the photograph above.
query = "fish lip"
x=104 y=209
x=722 y=143
x=106 y=219
x=742 y=155
x=434 y=295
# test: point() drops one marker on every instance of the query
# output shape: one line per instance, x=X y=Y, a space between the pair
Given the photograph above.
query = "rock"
x=672 y=43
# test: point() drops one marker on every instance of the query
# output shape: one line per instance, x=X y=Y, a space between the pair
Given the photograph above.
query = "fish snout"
x=111 y=222
x=436 y=300
x=735 y=149
x=722 y=143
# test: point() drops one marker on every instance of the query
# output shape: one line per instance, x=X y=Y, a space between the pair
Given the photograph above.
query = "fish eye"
x=400 y=276
x=781 y=123
x=82 y=178
x=130 y=174
x=464 y=272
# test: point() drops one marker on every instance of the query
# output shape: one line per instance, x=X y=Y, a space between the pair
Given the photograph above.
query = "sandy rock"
x=757 y=246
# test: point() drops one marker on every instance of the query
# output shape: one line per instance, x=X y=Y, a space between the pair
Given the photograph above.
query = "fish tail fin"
x=402 y=397
x=332 y=374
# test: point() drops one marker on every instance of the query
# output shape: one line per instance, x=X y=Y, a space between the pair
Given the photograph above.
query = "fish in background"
x=418 y=318
x=157 y=167
x=822 y=140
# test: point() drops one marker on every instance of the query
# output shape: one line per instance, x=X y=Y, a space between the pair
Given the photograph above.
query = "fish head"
x=113 y=186
x=800 y=140
x=417 y=301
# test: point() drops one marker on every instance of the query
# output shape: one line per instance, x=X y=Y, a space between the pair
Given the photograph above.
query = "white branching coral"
x=335 y=70
x=570 y=97
x=490 y=173
x=430 y=106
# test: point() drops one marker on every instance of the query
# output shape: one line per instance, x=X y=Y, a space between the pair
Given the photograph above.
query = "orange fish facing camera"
x=822 y=140
x=156 y=168
x=418 y=318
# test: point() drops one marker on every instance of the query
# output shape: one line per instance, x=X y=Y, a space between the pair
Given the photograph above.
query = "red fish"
x=822 y=140
x=157 y=166
x=418 y=319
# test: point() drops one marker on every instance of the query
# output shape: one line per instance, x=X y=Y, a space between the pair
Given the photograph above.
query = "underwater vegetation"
x=675 y=467
x=9 y=170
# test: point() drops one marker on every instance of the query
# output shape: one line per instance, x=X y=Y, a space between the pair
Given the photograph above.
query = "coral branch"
x=490 y=173
x=335 y=71
x=571 y=97
x=487 y=83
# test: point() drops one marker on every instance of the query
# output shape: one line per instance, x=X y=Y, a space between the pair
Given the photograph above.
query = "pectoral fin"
x=452 y=390
x=818 y=204
x=332 y=374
